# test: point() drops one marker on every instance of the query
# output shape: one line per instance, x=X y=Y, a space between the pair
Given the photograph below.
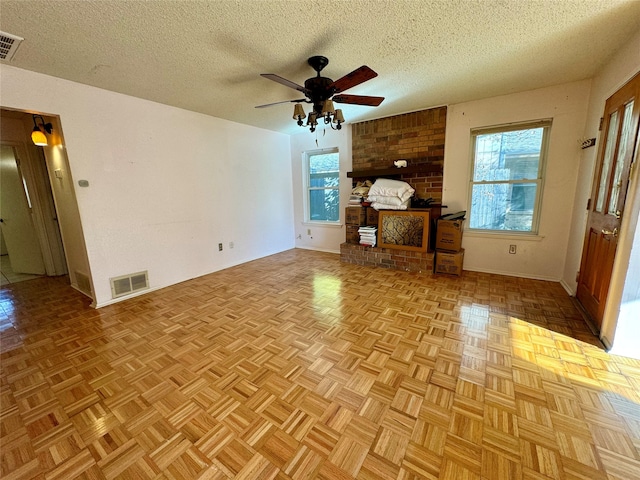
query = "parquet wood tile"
x=297 y=366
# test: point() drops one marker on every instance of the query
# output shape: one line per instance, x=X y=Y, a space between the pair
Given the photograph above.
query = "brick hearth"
x=407 y=260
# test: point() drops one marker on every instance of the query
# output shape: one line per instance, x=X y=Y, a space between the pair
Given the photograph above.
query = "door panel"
x=620 y=130
x=607 y=161
x=618 y=169
x=15 y=212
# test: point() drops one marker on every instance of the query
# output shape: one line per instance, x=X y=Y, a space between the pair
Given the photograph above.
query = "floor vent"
x=127 y=284
x=8 y=45
x=83 y=282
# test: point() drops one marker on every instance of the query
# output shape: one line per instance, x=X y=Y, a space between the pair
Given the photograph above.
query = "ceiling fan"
x=322 y=92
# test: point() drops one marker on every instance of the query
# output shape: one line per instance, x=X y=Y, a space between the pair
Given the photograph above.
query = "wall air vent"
x=127 y=284
x=83 y=282
x=8 y=45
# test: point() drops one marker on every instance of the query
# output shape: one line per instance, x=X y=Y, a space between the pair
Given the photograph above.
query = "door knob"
x=613 y=232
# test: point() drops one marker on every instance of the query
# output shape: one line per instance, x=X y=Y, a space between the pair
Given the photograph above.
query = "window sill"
x=505 y=236
x=322 y=224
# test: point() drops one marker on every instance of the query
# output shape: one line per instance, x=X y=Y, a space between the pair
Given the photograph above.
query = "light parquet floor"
x=296 y=366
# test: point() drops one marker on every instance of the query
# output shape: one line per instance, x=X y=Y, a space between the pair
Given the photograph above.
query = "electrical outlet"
x=230 y=244
x=308 y=231
x=219 y=247
x=512 y=249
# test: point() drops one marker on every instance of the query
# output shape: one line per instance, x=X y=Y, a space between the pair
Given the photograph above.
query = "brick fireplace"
x=418 y=138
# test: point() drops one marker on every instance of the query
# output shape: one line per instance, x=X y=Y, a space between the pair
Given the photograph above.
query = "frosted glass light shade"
x=39 y=138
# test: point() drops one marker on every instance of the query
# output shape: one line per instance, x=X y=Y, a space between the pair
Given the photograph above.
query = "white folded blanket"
x=385 y=187
x=394 y=201
x=386 y=206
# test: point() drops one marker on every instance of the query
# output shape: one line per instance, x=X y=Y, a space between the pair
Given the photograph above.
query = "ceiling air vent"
x=8 y=45
x=127 y=284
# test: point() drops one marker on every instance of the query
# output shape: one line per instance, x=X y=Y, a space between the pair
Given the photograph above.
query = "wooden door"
x=606 y=205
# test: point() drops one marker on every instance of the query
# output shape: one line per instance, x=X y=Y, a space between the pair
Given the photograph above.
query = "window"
x=508 y=172
x=322 y=181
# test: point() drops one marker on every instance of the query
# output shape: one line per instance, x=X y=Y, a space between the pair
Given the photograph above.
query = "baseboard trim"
x=511 y=274
x=604 y=342
x=567 y=288
x=325 y=250
x=133 y=295
x=75 y=287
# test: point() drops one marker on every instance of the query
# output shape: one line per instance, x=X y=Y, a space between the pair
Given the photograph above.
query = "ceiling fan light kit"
x=338 y=118
x=298 y=113
x=322 y=92
x=312 y=121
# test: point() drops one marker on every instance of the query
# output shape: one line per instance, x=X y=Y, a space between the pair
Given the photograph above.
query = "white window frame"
x=306 y=158
x=539 y=181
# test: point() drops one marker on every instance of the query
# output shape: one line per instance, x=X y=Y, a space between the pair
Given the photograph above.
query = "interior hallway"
x=298 y=366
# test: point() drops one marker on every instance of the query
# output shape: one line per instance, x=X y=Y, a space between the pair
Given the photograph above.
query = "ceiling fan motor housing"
x=319 y=91
x=318 y=87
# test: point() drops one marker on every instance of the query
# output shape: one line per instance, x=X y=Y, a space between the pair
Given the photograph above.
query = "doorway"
x=54 y=210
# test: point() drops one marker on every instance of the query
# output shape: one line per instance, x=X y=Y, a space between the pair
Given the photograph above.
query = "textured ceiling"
x=206 y=56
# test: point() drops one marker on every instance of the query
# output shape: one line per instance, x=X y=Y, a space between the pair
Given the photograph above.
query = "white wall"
x=165 y=185
x=323 y=237
x=544 y=255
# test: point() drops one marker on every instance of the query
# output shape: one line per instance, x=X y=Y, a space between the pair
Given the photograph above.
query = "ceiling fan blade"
x=278 y=103
x=358 y=100
x=284 y=81
x=358 y=76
